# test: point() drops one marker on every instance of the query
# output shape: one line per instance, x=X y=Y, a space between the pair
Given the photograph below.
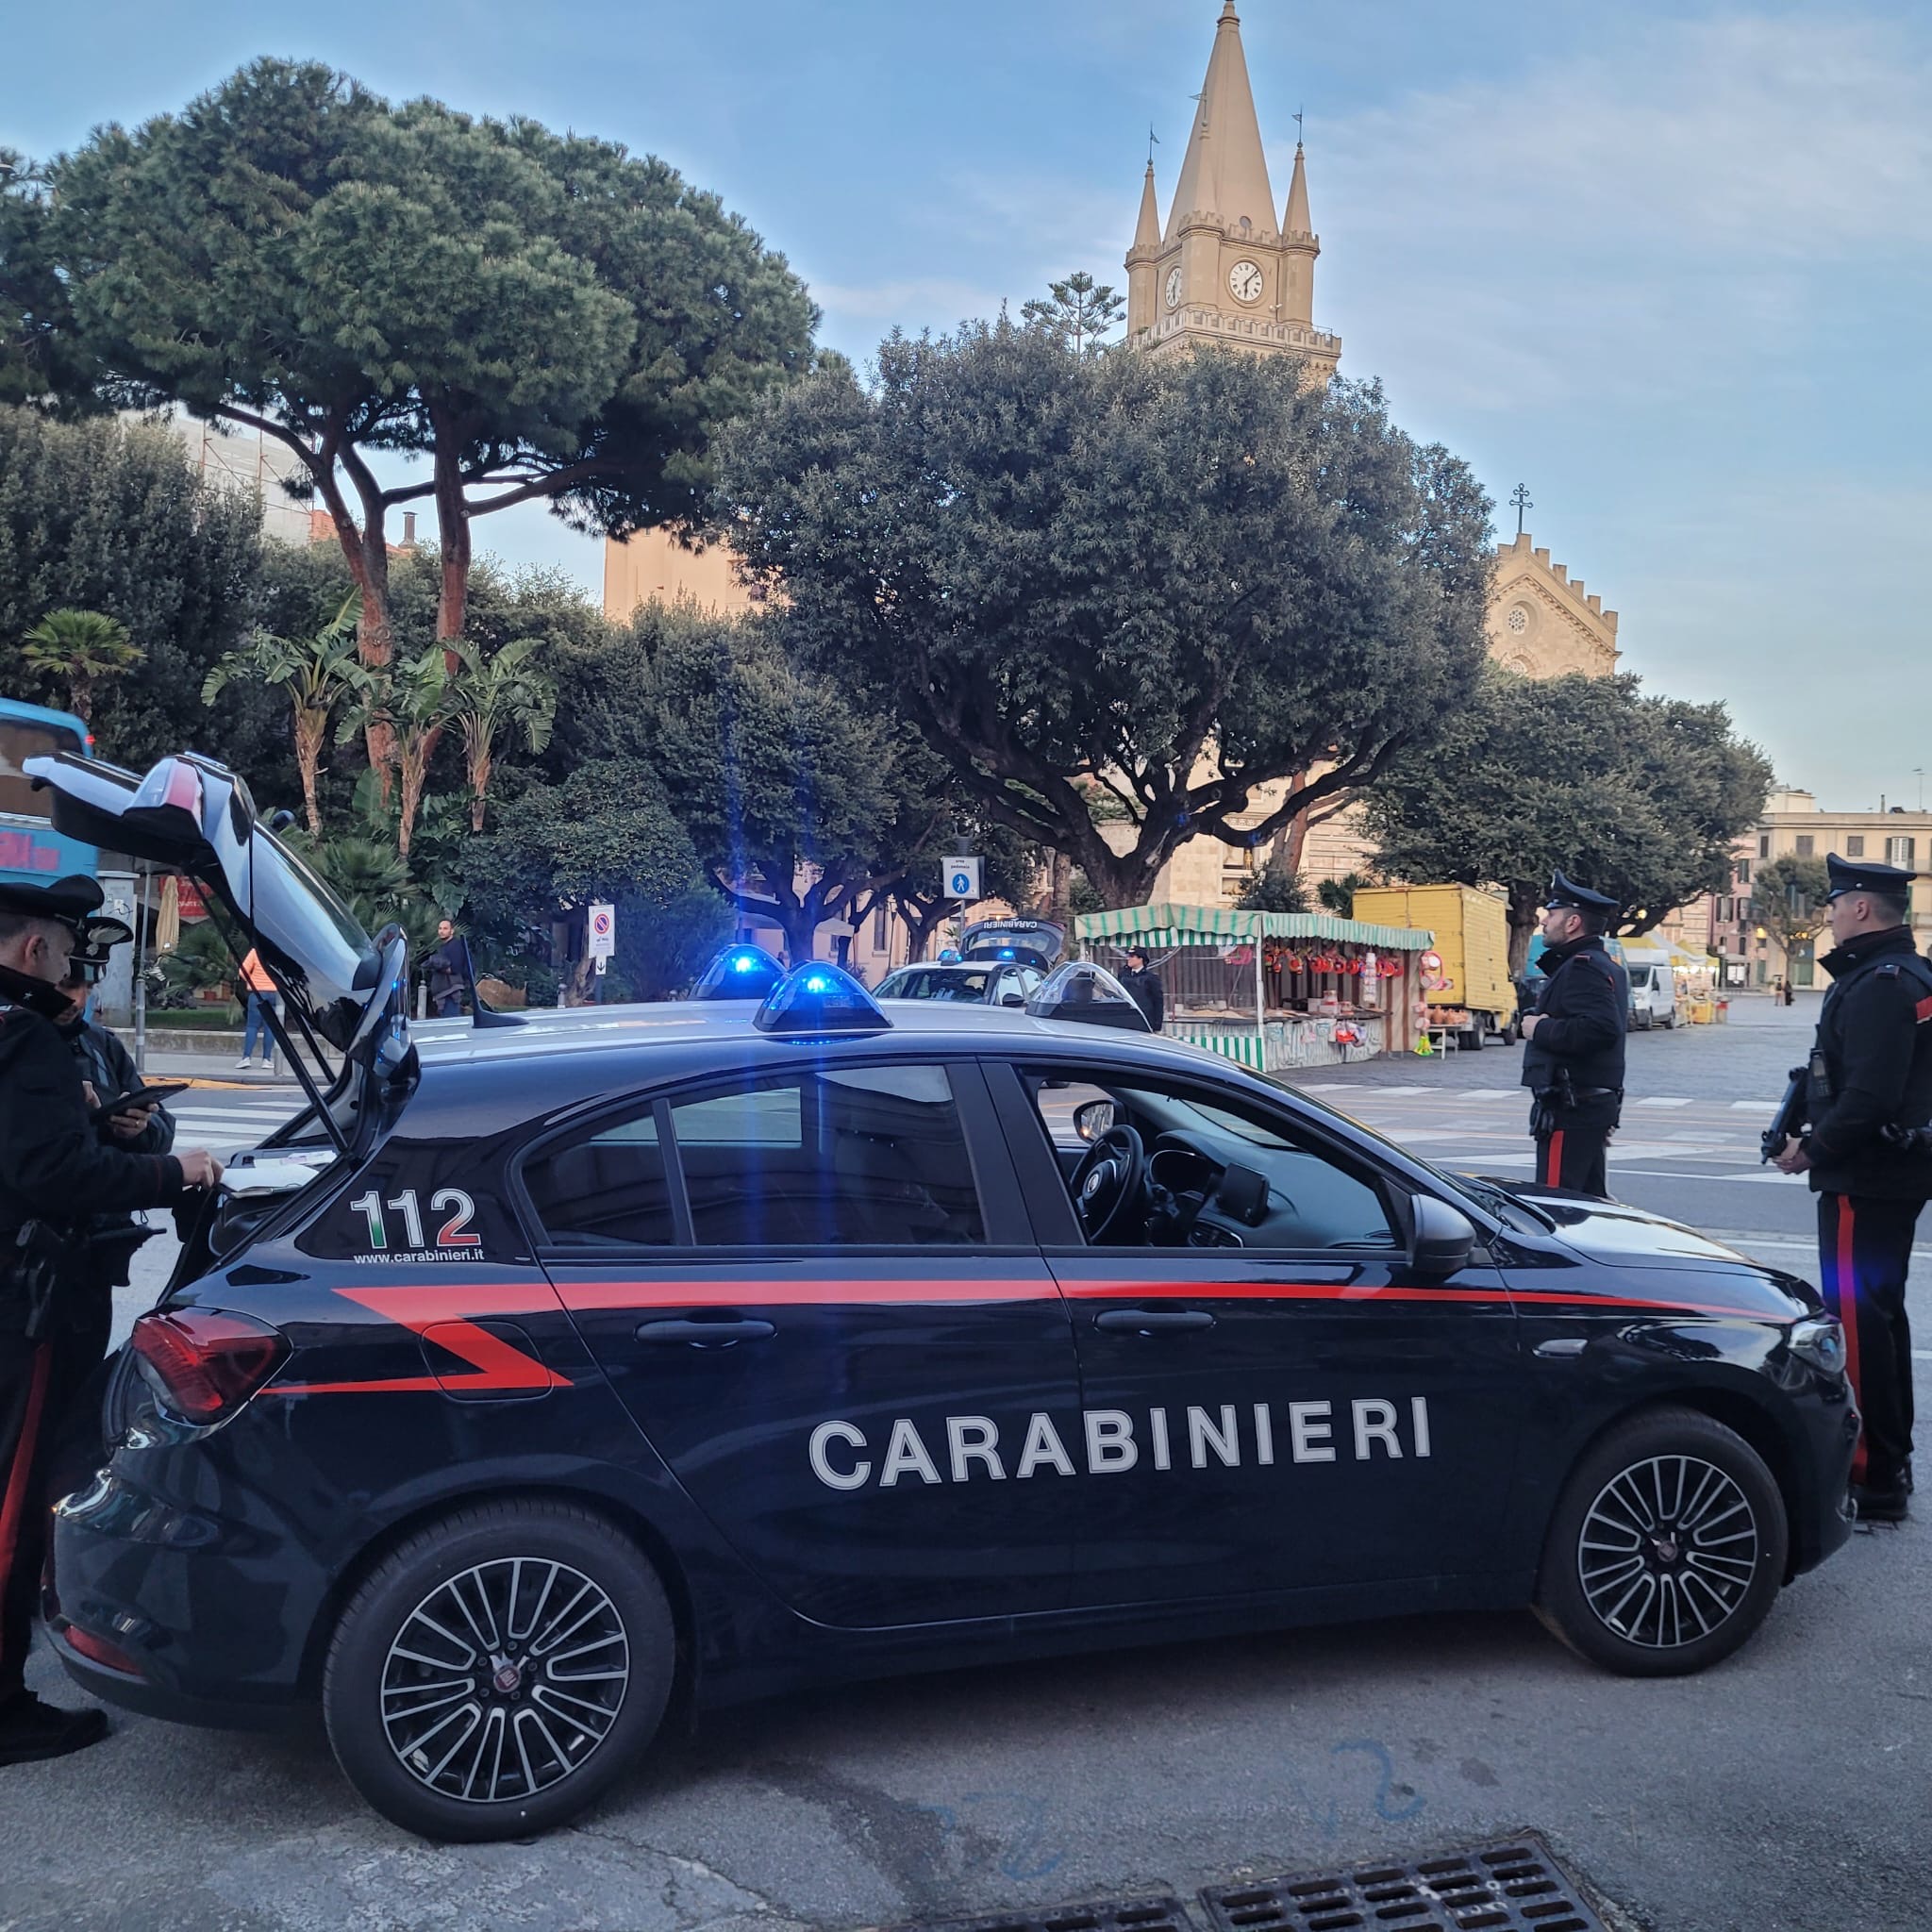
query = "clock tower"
x=1224 y=269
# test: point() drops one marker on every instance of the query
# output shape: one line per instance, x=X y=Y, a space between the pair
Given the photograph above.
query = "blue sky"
x=1670 y=265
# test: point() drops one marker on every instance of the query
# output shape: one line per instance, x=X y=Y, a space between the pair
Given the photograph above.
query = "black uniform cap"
x=99 y=935
x=72 y=901
x=1858 y=875
x=1567 y=892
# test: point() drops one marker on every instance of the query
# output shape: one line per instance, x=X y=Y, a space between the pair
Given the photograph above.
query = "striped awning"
x=1212 y=925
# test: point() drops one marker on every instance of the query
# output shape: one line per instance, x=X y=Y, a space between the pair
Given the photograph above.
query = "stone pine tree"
x=1118 y=596
x=544 y=318
x=1078 y=312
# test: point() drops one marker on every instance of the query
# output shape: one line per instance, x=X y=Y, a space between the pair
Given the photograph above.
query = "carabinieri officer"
x=56 y=1174
x=1870 y=1084
x=1574 y=1060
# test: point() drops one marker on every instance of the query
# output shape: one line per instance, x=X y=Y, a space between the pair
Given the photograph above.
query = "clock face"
x=1173 y=287
x=1245 y=279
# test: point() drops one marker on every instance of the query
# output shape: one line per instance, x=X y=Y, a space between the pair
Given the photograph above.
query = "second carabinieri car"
x=540 y=1371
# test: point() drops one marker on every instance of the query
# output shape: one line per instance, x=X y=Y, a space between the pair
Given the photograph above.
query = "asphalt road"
x=1782 y=1792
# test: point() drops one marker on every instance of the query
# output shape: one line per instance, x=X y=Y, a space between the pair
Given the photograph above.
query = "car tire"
x=398 y=1695
x=1633 y=1598
x=1471 y=1042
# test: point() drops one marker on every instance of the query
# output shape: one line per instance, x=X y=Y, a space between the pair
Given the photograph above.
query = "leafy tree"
x=1275 y=889
x=603 y=833
x=110 y=517
x=318 y=674
x=1174 y=581
x=543 y=317
x=412 y=701
x=1078 y=312
x=78 y=651
x=39 y=361
x=492 y=694
x=1011 y=870
x=1337 y=895
x=1641 y=797
x=1787 y=899
x=801 y=806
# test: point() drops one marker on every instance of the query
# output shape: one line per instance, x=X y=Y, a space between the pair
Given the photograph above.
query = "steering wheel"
x=1111 y=1184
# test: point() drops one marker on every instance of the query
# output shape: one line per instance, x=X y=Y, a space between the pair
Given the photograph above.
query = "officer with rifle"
x=58 y=1170
x=1573 y=1061
x=1867 y=1097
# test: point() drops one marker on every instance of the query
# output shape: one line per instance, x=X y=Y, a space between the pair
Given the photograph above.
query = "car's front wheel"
x=498 y=1670
x=1667 y=1546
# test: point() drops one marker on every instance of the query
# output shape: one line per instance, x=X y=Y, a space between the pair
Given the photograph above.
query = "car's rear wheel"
x=1667 y=1547
x=498 y=1670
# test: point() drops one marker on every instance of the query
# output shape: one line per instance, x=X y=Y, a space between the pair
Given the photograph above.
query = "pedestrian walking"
x=57 y=1173
x=1143 y=986
x=264 y=999
x=1787 y=993
x=1573 y=1062
x=448 y=972
x=1868 y=1087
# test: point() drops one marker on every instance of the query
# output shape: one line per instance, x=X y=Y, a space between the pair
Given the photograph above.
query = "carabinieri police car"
x=539 y=1374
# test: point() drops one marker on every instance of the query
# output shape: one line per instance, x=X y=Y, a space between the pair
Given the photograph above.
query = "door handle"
x=1561 y=1347
x=705 y=1334
x=1152 y=1320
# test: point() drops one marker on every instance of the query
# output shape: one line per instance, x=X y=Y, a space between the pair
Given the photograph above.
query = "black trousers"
x=1570 y=1143
x=1864 y=1250
x=38 y=1384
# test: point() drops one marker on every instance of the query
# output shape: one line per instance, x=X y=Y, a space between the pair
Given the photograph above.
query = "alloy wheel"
x=504 y=1679
x=1668 y=1551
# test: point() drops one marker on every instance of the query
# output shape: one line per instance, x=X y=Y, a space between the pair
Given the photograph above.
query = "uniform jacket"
x=1875 y=1035
x=53 y=1163
x=1583 y=1007
x=1146 y=991
x=104 y=1060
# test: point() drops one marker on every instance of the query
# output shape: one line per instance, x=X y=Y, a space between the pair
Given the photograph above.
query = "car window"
x=605 y=1186
x=861 y=1154
x=935 y=983
x=1313 y=1200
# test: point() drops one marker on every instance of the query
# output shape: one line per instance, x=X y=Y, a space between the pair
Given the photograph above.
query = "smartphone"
x=141 y=1097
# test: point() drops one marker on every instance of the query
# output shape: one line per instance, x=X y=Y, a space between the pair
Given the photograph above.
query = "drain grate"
x=1110 y=1915
x=1510 y=1885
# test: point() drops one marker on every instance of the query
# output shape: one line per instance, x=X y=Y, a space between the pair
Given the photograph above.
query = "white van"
x=1653 y=992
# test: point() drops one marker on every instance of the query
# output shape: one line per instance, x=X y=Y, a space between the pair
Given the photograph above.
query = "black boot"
x=1883 y=1502
x=31 y=1730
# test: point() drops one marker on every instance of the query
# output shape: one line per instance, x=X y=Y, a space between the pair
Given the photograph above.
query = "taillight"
x=98 y=1650
x=205 y=1363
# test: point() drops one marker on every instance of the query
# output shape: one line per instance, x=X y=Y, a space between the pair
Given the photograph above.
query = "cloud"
x=1636 y=217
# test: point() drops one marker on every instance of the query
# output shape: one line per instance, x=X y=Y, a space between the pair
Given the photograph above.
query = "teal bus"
x=31 y=851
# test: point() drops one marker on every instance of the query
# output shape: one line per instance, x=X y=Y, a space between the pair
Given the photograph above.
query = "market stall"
x=1273 y=990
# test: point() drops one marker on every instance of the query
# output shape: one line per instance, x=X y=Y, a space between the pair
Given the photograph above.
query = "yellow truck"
x=1470 y=991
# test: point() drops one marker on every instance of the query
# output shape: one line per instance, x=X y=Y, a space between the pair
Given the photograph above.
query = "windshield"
x=934 y=983
x=21 y=739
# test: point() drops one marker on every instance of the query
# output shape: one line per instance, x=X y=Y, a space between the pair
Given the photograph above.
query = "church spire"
x=1147 y=232
x=1225 y=172
x=1296 y=222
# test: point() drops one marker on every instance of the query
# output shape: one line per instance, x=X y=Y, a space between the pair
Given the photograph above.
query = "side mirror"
x=1095 y=1118
x=1442 y=1240
x=1012 y=999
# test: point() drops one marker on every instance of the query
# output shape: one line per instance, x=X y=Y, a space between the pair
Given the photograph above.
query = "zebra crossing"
x=227 y=1120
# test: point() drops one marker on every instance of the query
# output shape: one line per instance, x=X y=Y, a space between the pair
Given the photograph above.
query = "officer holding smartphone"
x=58 y=1170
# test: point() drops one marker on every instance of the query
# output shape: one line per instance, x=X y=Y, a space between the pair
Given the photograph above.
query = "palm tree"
x=490 y=696
x=318 y=673
x=83 y=648
x=410 y=700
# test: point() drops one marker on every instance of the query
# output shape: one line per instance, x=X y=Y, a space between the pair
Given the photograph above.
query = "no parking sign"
x=603 y=931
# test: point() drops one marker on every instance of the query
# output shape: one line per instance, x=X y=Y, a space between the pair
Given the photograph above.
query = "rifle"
x=1788 y=1121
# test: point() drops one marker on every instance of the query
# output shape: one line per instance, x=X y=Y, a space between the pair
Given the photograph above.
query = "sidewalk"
x=209 y=1069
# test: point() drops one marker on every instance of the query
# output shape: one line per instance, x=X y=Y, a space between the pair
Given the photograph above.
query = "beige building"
x=1795 y=826
x=653 y=567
